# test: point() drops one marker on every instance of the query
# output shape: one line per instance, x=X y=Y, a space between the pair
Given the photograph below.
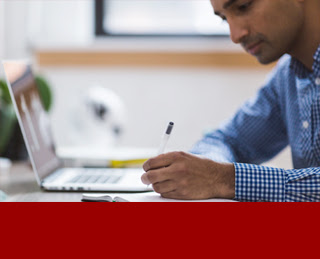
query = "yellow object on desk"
x=127 y=163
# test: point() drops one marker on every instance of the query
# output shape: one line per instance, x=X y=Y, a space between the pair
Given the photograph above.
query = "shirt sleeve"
x=262 y=183
x=255 y=134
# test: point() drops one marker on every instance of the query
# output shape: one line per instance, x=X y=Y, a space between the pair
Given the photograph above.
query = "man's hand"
x=180 y=175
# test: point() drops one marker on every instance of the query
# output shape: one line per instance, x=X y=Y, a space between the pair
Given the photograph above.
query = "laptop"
x=50 y=173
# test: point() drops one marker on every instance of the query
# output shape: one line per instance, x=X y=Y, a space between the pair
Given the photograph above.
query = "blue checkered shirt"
x=285 y=111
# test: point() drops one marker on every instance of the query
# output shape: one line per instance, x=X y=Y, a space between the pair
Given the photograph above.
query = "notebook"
x=47 y=166
x=139 y=197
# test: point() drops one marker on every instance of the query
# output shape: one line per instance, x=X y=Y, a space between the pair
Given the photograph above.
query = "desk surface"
x=21 y=185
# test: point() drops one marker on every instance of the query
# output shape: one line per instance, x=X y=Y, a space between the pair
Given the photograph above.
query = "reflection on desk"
x=20 y=179
x=20 y=185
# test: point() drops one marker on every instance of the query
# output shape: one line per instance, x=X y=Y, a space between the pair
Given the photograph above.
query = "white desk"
x=20 y=185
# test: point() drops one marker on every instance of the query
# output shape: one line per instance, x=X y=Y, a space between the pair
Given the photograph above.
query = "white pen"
x=165 y=138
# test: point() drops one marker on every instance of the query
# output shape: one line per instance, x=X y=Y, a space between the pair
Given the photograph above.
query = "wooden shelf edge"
x=184 y=59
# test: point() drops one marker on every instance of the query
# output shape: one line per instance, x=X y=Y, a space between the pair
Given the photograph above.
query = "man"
x=225 y=163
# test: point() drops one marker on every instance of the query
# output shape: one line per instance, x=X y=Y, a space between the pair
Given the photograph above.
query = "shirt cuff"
x=217 y=152
x=259 y=183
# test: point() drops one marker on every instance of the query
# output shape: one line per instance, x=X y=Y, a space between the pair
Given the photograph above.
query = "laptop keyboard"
x=95 y=176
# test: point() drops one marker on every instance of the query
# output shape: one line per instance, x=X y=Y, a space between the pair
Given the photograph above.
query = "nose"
x=238 y=30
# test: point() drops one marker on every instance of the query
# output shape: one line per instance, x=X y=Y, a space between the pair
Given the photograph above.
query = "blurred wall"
x=2 y=35
x=15 y=29
x=27 y=25
x=196 y=99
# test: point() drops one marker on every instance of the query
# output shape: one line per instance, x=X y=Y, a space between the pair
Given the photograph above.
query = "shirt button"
x=317 y=81
x=305 y=124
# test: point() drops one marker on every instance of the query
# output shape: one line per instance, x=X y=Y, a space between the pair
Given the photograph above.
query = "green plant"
x=44 y=92
x=4 y=92
x=8 y=118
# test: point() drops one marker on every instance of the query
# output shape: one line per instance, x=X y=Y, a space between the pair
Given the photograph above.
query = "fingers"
x=156 y=162
x=175 y=194
x=171 y=195
x=164 y=187
x=145 y=180
x=163 y=160
x=162 y=167
x=155 y=169
x=157 y=175
x=159 y=180
x=168 y=174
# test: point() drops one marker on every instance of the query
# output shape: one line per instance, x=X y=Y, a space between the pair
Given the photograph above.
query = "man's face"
x=266 y=29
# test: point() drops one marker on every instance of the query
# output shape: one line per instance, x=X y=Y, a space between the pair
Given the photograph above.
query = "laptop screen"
x=33 y=119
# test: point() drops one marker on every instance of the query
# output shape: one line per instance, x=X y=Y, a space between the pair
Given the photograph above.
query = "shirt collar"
x=301 y=71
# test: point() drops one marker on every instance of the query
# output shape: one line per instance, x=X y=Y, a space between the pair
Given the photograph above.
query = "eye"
x=223 y=18
x=245 y=6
